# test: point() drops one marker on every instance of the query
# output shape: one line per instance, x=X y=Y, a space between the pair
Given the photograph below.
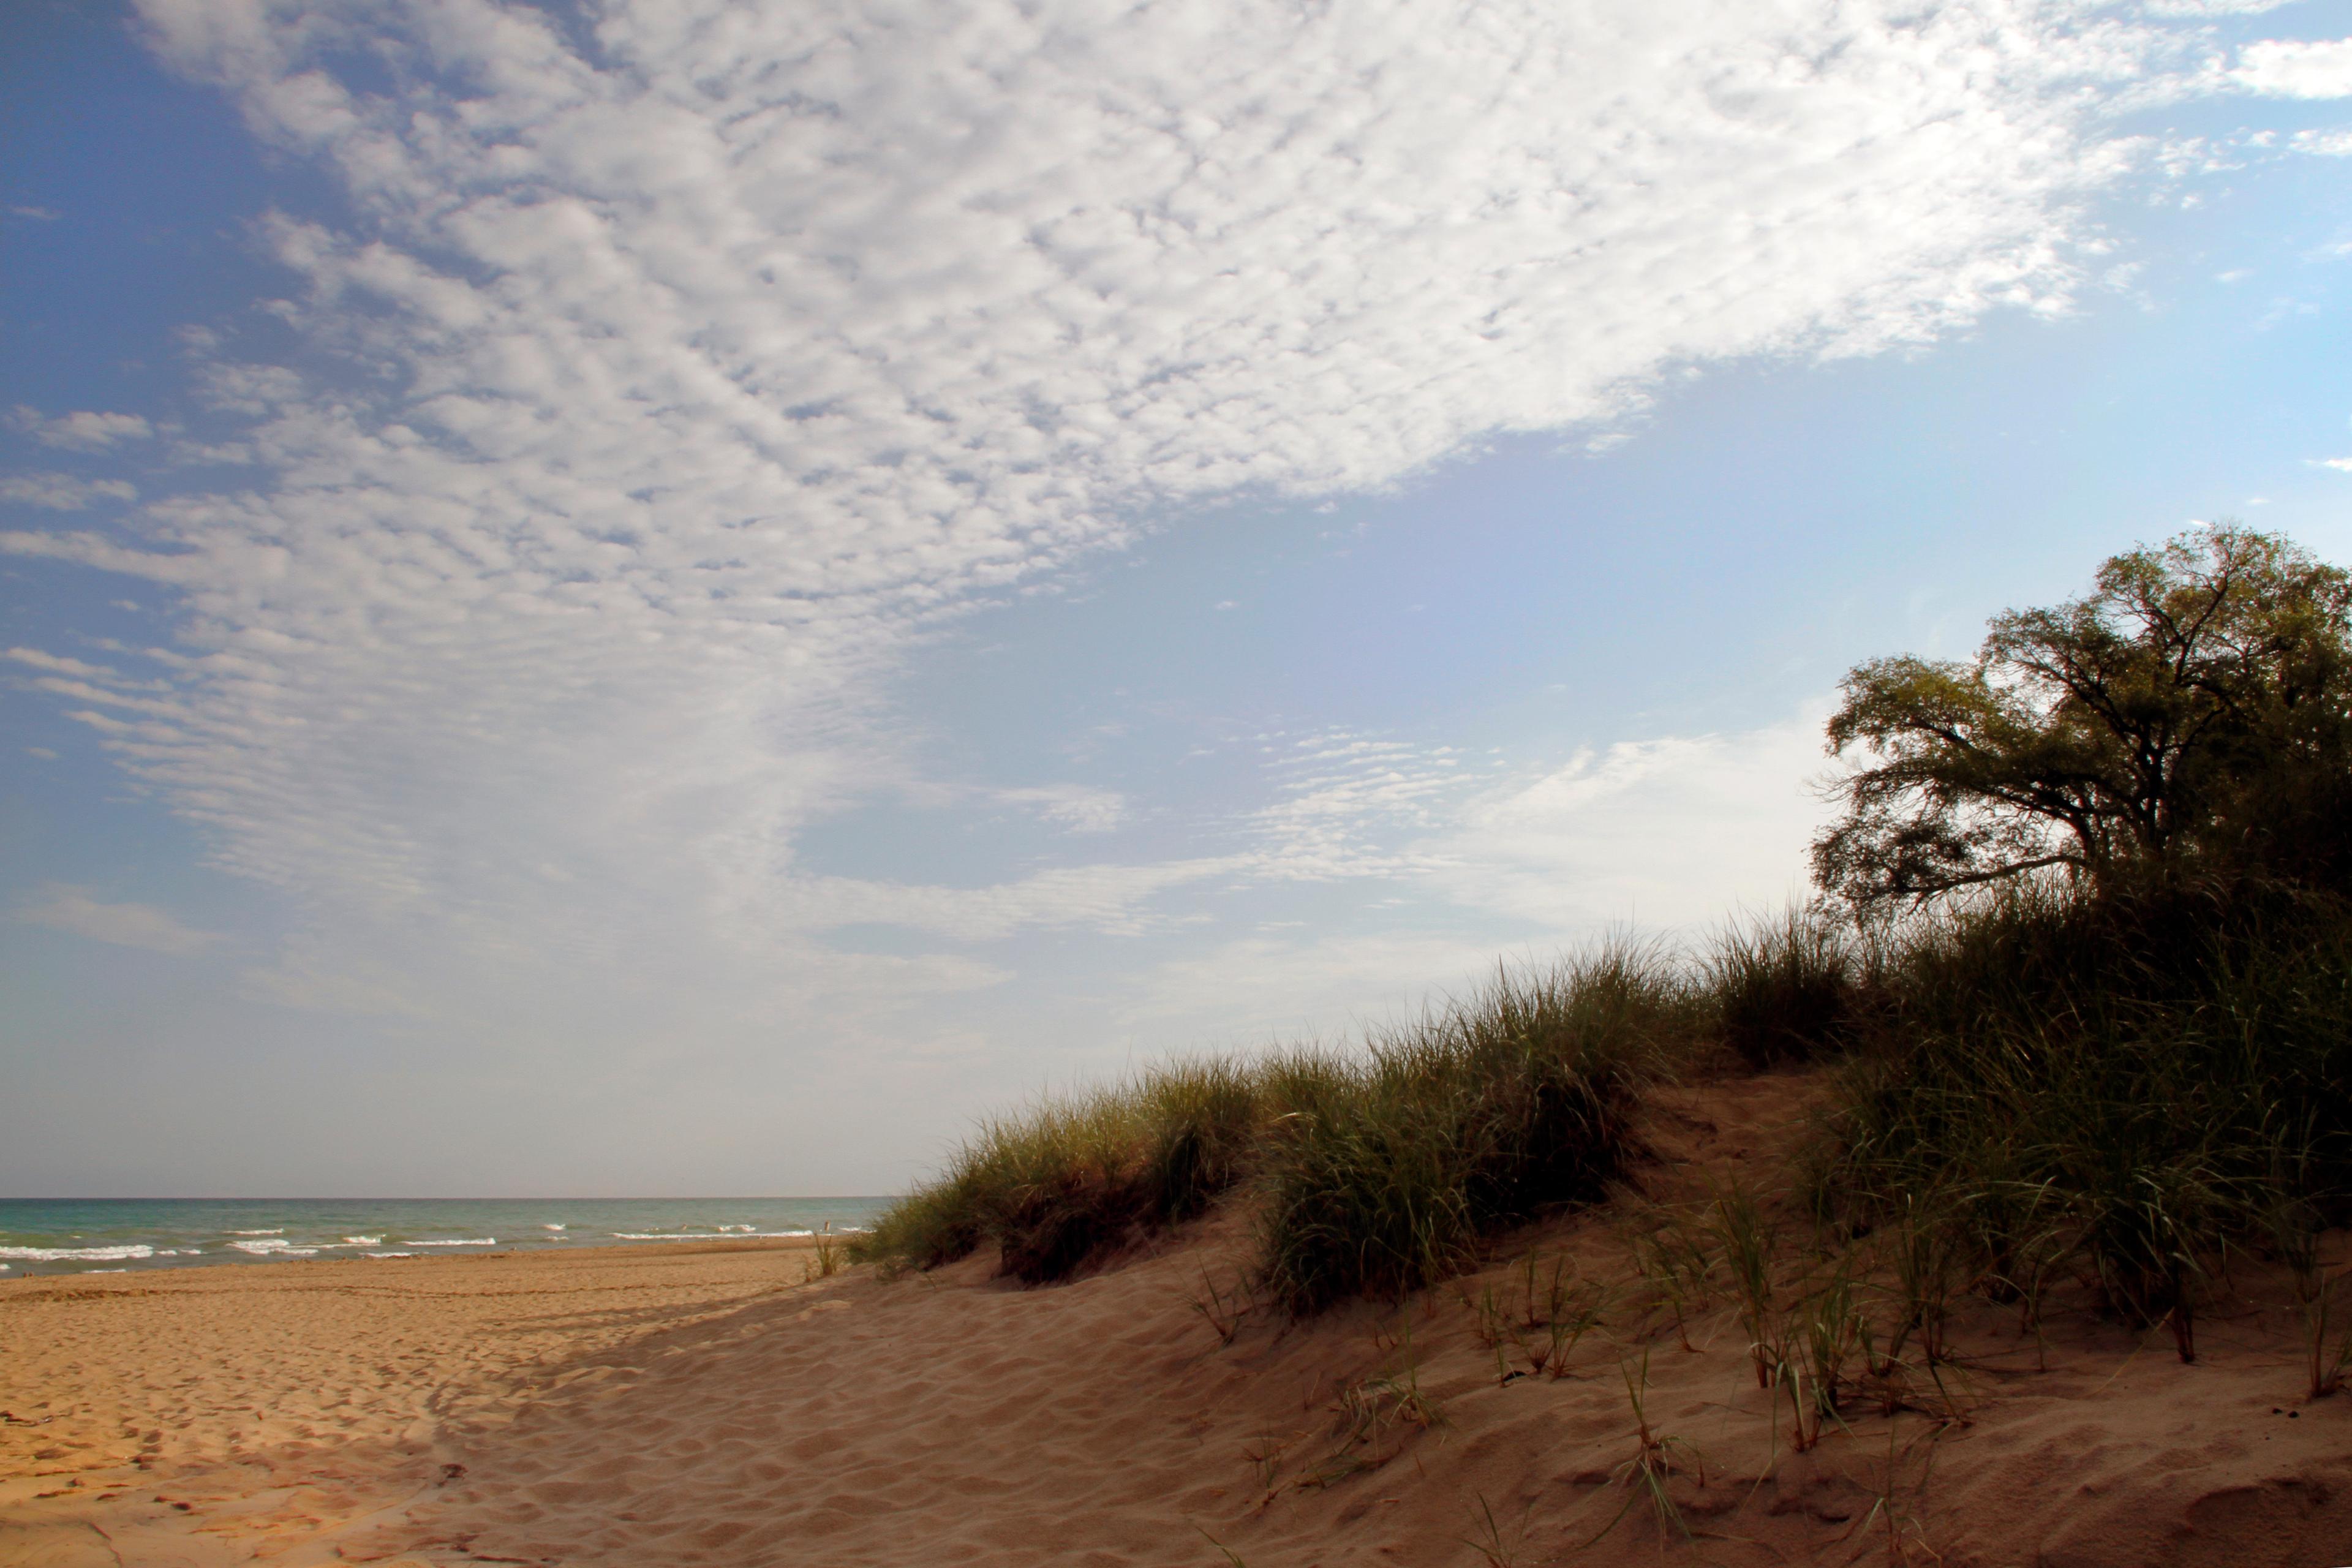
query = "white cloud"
x=81 y=432
x=2289 y=68
x=62 y=907
x=1264 y=990
x=58 y=664
x=2335 y=143
x=1104 y=897
x=709 y=364
x=338 y=982
x=2343 y=465
x=63 y=492
x=90 y=550
x=1077 y=807
x=1666 y=833
x=1348 y=803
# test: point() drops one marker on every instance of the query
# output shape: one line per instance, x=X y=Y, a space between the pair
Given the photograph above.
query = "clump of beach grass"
x=2128 y=1086
x=1513 y=1101
x=827 y=1256
x=1376 y=1173
x=2042 y=1083
x=1785 y=989
x=1059 y=1184
x=1656 y=1457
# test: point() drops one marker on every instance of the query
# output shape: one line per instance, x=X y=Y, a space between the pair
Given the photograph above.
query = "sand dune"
x=707 y=1409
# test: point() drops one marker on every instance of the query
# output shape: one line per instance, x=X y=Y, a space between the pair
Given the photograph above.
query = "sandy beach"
x=299 y=1397
x=706 y=1405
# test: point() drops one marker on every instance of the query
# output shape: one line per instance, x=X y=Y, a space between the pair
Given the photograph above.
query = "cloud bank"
x=668 y=372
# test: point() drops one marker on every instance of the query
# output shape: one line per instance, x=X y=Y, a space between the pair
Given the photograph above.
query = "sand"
x=706 y=1407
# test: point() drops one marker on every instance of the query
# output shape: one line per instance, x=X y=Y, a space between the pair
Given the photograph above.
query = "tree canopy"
x=2190 y=716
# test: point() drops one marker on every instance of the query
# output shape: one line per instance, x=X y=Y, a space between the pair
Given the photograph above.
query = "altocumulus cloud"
x=62 y=907
x=670 y=372
x=86 y=430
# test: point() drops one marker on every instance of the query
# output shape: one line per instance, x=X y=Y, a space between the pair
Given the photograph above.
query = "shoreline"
x=83 y=1236
x=684 y=1245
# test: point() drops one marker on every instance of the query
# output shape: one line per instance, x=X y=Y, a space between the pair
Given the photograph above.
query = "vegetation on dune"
x=1377 y=1172
x=2083 y=963
x=1069 y=1179
x=1516 y=1101
x=2131 y=1086
x=1788 y=990
x=2103 y=871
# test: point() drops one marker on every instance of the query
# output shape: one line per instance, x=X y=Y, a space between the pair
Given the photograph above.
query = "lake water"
x=62 y=1236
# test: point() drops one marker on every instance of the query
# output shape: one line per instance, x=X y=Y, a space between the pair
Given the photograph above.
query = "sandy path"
x=689 y=1411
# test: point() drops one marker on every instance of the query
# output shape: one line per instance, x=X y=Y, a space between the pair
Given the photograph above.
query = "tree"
x=2192 y=715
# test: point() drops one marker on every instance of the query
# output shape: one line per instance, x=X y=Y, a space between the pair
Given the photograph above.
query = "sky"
x=681 y=597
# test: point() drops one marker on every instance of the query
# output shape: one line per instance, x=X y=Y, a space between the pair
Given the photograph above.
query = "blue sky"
x=680 y=599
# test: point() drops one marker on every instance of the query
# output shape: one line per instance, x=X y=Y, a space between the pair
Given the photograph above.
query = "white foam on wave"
x=476 y=1241
x=391 y=1255
x=275 y=1247
x=362 y=1241
x=78 y=1254
x=555 y=1227
x=279 y=1231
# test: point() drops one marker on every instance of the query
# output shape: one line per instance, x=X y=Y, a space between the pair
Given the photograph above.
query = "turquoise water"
x=82 y=1235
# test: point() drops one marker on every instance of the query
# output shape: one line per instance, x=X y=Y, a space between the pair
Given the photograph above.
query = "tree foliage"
x=2191 y=716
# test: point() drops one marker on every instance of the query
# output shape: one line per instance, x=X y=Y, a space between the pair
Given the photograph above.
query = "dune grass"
x=1377 y=1172
x=1791 y=989
x=1515 y=1101
x=2131 y=1089
x=2043 y=1085
x=1059 y=1184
